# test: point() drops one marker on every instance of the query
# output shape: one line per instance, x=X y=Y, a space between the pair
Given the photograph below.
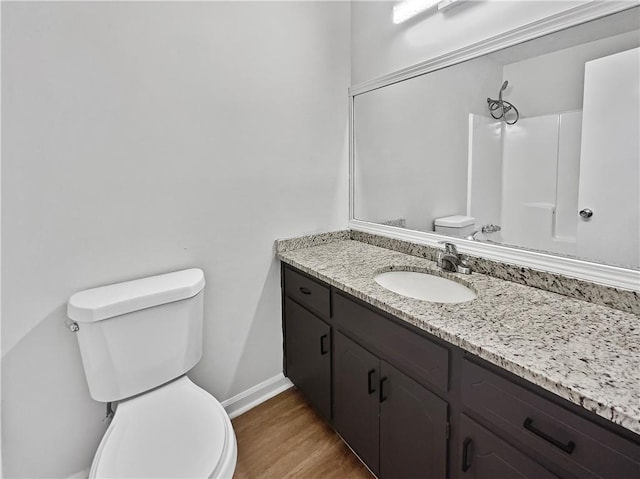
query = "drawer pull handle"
x=383 y=398
x=323 y=349
x=568 y=447
x=304 y=290
x=465 y=454
x=370 y=388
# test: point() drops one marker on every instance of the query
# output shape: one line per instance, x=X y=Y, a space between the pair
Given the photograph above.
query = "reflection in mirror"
x=534 y=146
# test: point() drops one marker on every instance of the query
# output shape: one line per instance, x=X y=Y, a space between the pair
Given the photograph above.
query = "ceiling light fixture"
x=407 y=9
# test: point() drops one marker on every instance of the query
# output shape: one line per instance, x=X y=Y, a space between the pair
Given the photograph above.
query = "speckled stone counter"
x=586 y=353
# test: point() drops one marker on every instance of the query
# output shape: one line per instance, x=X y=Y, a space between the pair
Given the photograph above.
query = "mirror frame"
x=608 y=275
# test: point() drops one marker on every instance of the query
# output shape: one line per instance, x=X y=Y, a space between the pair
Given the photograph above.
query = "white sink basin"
x=425 y=286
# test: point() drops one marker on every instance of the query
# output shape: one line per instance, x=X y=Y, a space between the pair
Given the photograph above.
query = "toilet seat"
x=177 y=430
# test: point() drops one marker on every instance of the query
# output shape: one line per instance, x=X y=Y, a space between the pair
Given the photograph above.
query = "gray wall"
x=140 y=138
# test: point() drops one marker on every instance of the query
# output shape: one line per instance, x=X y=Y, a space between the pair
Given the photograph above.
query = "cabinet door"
x=413 y=428
x=308 y=355
x=486 y=456
x=355 y=409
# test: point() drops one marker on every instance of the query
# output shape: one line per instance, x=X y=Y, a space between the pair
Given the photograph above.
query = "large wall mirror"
x=534 y=146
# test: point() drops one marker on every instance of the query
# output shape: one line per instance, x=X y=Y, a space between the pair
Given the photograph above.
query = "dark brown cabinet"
x=423 y=360
x=396 y=426
x=413 y=428
x=356 y=380
x=313 y=295
x=485 y=456
x=571 y=442
x=308 y=355
x=414 y=406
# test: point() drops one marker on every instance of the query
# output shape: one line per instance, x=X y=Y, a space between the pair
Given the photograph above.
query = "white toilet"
x=137 y=340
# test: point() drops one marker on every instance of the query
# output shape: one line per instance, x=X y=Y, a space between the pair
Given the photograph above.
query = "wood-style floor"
x=285 y=438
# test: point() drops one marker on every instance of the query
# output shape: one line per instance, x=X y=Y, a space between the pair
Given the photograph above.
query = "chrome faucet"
x=449 y=260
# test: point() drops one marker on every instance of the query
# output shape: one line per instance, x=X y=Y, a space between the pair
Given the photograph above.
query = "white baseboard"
x=241 y=403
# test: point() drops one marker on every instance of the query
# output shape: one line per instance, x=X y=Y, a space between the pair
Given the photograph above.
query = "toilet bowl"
x=137 y=341
x=176 y=431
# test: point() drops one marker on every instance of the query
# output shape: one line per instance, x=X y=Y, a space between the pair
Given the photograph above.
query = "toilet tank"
x=137 y=335
x=457 y=225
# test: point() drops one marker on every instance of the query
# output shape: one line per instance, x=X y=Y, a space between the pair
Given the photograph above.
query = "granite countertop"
x=586 y=353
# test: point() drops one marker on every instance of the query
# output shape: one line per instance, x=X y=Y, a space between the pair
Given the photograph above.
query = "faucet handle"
x=490 y=228
x=449 y=247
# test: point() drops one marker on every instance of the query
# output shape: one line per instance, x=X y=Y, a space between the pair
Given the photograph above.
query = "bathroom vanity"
x=518 y=382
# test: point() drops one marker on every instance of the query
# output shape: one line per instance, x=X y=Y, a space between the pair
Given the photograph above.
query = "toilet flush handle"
x=72 y=325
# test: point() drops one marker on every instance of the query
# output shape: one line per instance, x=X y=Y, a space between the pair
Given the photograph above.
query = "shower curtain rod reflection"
x=499 y=108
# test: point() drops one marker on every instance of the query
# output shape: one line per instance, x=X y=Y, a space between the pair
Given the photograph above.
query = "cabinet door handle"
x=568 y=447
x=370 y=383
x=323 y=349
x=465 y=454
x=304 y=290
x=383 y=398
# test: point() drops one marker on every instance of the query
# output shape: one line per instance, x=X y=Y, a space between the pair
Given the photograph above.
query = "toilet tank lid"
x=105 y=302
x=455 y=221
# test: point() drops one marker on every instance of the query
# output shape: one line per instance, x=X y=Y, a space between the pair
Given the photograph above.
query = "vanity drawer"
x=309 y=293
x=577 y=445
x=415 y=355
